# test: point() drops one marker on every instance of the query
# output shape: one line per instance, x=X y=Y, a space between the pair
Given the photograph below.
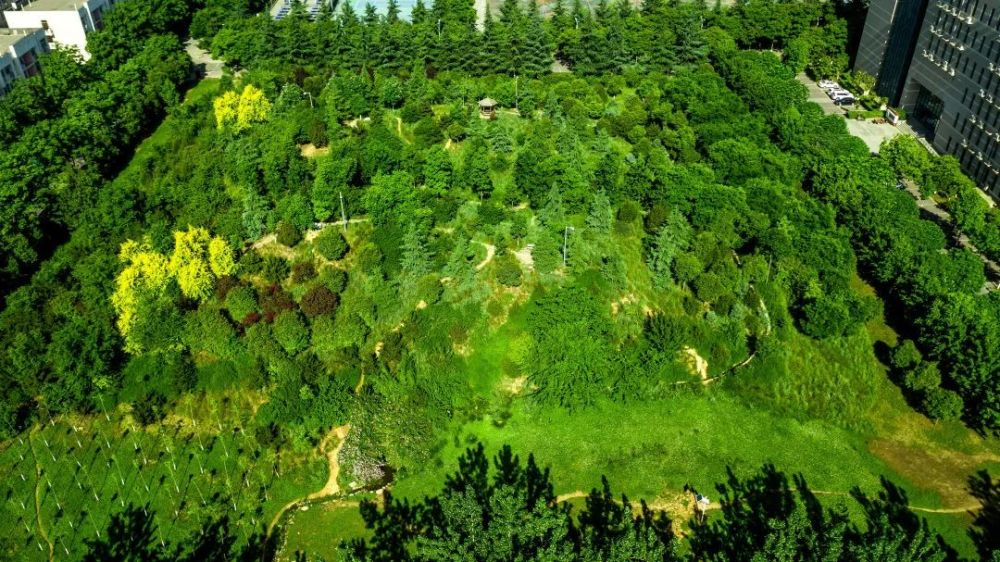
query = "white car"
x=838 y=94
x=828 y=84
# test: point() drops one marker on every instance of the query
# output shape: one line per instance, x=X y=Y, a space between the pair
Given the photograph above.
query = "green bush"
x=667 y=334
x=924 y=377
x=334 y=279
x=426 y=132
x=906 y=356
x=942 y=404
x=330 y=244
x=251 y=263
x=275 y=269
x=291 y=332
x=303 y=271
x=318 y=301
x=629 y=212
x=687 y=267
x=287 y=234
x=456 y=132
x=149 y=409
x=547 y=254
x=491 y=213
x=708 y=287
x=825 y=317
x=508 y=271
x=241 y=302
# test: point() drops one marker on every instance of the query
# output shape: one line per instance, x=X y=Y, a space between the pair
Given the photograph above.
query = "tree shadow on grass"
x=765 y=516
x=986 y=526
x=132 y=536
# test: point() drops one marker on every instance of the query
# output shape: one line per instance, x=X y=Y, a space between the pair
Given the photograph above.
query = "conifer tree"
x=493 y=47
x=476 y=169
x=553 y=214
x=349 y=49
x=673 y=238
x=422 y=36
x=537 y=57
x=599 y=217
x=513 y=38
x=415 y=259
x=438 y=170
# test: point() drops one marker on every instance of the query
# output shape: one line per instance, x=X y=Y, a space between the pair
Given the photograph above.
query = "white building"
x=66 y=22
x=19 y=52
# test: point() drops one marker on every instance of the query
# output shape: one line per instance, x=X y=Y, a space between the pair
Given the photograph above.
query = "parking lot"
x=872 y=134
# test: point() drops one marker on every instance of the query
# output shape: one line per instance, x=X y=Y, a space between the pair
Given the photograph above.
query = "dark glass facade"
x=903 y=35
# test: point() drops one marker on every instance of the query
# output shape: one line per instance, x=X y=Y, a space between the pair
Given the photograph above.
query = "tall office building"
x=940 y=61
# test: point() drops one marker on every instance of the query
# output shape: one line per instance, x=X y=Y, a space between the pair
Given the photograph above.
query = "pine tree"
x=513 y=37
x=416 y=86
x=438 y=171
x=561 y=19
x=537 y=58
x=421 y=33
x=476 y=169
x=493 y=47
x=553 y=214
x=415 y=259
x=650 y=7
x=418 y=14
x=599 y=217
x=608 y=174
x=325 y=12
x=673 y=238
x=392 y=12
x=350 y=48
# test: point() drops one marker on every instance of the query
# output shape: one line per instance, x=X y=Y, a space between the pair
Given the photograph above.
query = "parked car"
x=840 y=94
x=846 y=100
x=827 y=84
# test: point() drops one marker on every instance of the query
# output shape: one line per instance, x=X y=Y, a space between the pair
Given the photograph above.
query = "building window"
x=29 y=63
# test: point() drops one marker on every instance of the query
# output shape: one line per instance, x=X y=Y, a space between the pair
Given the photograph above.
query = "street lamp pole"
x=565 y=241
x=343 y=214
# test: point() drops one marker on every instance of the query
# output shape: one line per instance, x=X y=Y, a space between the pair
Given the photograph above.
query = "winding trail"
x=671 y=507
x=331 y=488
x=491 y=251
x=399 y=130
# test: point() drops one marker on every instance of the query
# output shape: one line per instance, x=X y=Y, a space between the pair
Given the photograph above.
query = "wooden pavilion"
x=488 y=108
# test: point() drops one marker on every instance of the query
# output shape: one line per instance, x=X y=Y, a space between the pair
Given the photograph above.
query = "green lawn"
x=319 y=531
x=821 y=419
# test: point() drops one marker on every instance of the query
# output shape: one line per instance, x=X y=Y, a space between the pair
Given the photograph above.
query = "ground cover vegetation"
x=668 y=231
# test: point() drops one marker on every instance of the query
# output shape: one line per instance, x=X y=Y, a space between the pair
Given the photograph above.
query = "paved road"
x=934 y=211
x=203 y=59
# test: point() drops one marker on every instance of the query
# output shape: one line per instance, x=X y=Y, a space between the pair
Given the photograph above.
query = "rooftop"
x=53 y=5
x=10 y=37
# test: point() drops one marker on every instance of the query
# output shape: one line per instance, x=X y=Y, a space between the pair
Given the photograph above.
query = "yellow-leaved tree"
x=225 y=109
x=195 y=263
x=238 y=112
x=144 y=278
x=254 y=107
x=220 y=257
x=189 y=263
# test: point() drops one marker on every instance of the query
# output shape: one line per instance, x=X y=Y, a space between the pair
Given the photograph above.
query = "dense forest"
x=331 y=236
